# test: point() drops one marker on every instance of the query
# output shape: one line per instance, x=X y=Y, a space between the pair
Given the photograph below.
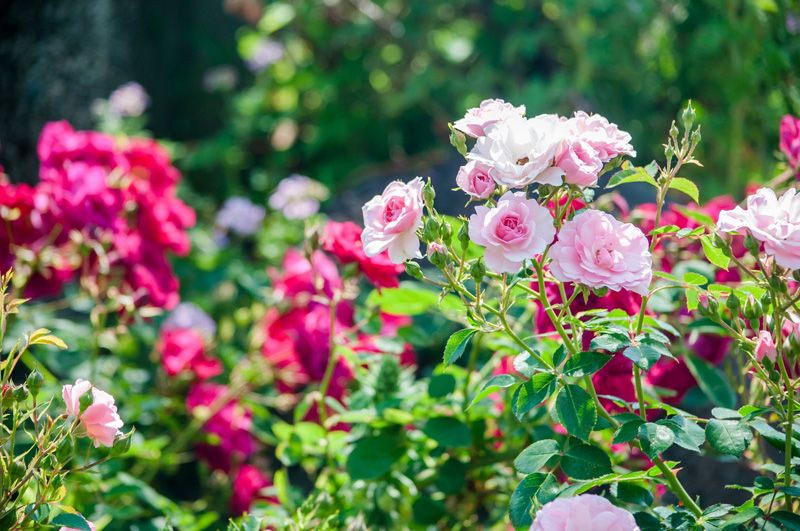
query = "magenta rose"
x=100 y=420
x=184 y=350
x=343 y=240
x=391 y=220
x=596 y=250
x=773 y=221
x=475 y=180
x=587 y=512
x=477 y=119
x=790 y=139
x=515 y=230
x=247 y=487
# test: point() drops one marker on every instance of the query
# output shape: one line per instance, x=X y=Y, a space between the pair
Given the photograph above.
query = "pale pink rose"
x=580 y=161
x=477 y=119
x=474 y=179
x=391 y=221
x=765 y=346
x=434 y=247
x=596 y=250
x=791 y=327
x=515 y=230
x=773 y=221
x=520 y=151
x=587 y=512
x=100 y=420
x=790 y=139
x=606 y=138
x=91 y=526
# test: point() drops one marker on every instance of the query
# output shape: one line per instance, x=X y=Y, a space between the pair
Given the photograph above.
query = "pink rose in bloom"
x=476 y=120
x=765 y=346
x=580 y=161
x=91 y=526
x=773 y=221
x=790 y=139
x=604 y=137
x=475 y=180
x=521 y=151
x=151 y=169
x=596 y=250
x=231 y=424
x=246 y=489
x=184 y=350
x=391 y=221
x=301 y=277
x=514 y=231
x=343 y=240
x=587 y=512
x=100 y=420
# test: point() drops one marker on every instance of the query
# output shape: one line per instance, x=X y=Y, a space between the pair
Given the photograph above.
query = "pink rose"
x=587 y=512
x=475 y=180
x=391 y=221
x=300 y=277
x=604 y=137
x=247 y=487
x=343 y=240
x=580 y=161
x=100 y=420
x=765 y=346
x=476 y=120
x=521 y=151
x=596 y=250
x=514 y=231
x=773 y=221
x=790 y=139
x=184 y=350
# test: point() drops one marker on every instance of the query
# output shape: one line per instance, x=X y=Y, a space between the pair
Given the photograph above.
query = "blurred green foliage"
x=366 y=87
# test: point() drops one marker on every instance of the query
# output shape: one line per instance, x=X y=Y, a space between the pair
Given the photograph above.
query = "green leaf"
x=728 y=436
x=452 y=476
x=610 y=342
x=532 y=393
x=714 y=253
x=790 y=520
x=456 y=345
x=655 y=438
x=688 y=434
x=584 y=461
x=441 y=385
x=694 y=279
x=632 y=175
x=627 y=431
x=535 y=456
x=646 y=353
x=743 y=517
x=686 y=186
x=534 y=490
x=585 y=363
x=40 y=514
x=74 y=521
x=447 y=431
x=664 y=230
x=501 y=381
x=711 y=381
x=374 y=456
x=632 y=493
x=576 y=411
x=773 y=436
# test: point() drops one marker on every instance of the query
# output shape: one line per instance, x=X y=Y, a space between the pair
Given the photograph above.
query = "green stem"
x=676 y=487
x=637 y=378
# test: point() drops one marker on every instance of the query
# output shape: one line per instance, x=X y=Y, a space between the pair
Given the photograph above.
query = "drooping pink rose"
x=184 y=350
x=475 y=180
x=580 y=161
x=391 y=220
x=247 y=487
x=520 y=151
x=596 y=250
x=604 y=137
x=515 y=230
x=343 y=240
x=765 y=346
x=477 y=119
x=790 y=139
x=587 y=512
x=773 y=221
x=100 y=420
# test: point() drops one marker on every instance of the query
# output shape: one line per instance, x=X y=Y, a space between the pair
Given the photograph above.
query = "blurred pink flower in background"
x=184 y=350
x=790 y=139
x=129 y=99
x=247 y=485
x=587 y=512
x=343 y=241
x=298 y=197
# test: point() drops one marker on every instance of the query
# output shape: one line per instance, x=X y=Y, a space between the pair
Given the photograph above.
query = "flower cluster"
x=114 y=198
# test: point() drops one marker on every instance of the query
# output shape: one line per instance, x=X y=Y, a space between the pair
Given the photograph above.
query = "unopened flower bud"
x=437 y=254
x=689 y=116
x=669 y=152
x=20 y=393
x=695 y=136
x=35 y=381
x=121 y=445
x=673 y=131
x=65 y=449
x=477 y=271
x=17 y=469
x=733 y=304
x=446 y=232
x=428 y=194
x=752 y=308
x=413 y=270
x=431 y=231
x=723 y=245
x=777 y=284
x=600 y=292
x=707 y=305
x=86 y=400
x=56 y=482
x=752 y=245
x=463 y=236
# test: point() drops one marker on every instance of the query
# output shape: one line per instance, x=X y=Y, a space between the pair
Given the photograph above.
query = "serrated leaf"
x=790 y=520
x=632 y=175
x=694 y=279
x=536 y=456
x=532 y=393
x=627 y=431
x=655 y=438
x=49 y=340
x=533 y=490
x=74 y=521
x=728 y=436
x=584 y=461
x=610 y=342
x=457 y=344
x=585 y=363
x=686 y=186
x=632 y=493
x=576 y=411
x=501 y=381
x=713 y=253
